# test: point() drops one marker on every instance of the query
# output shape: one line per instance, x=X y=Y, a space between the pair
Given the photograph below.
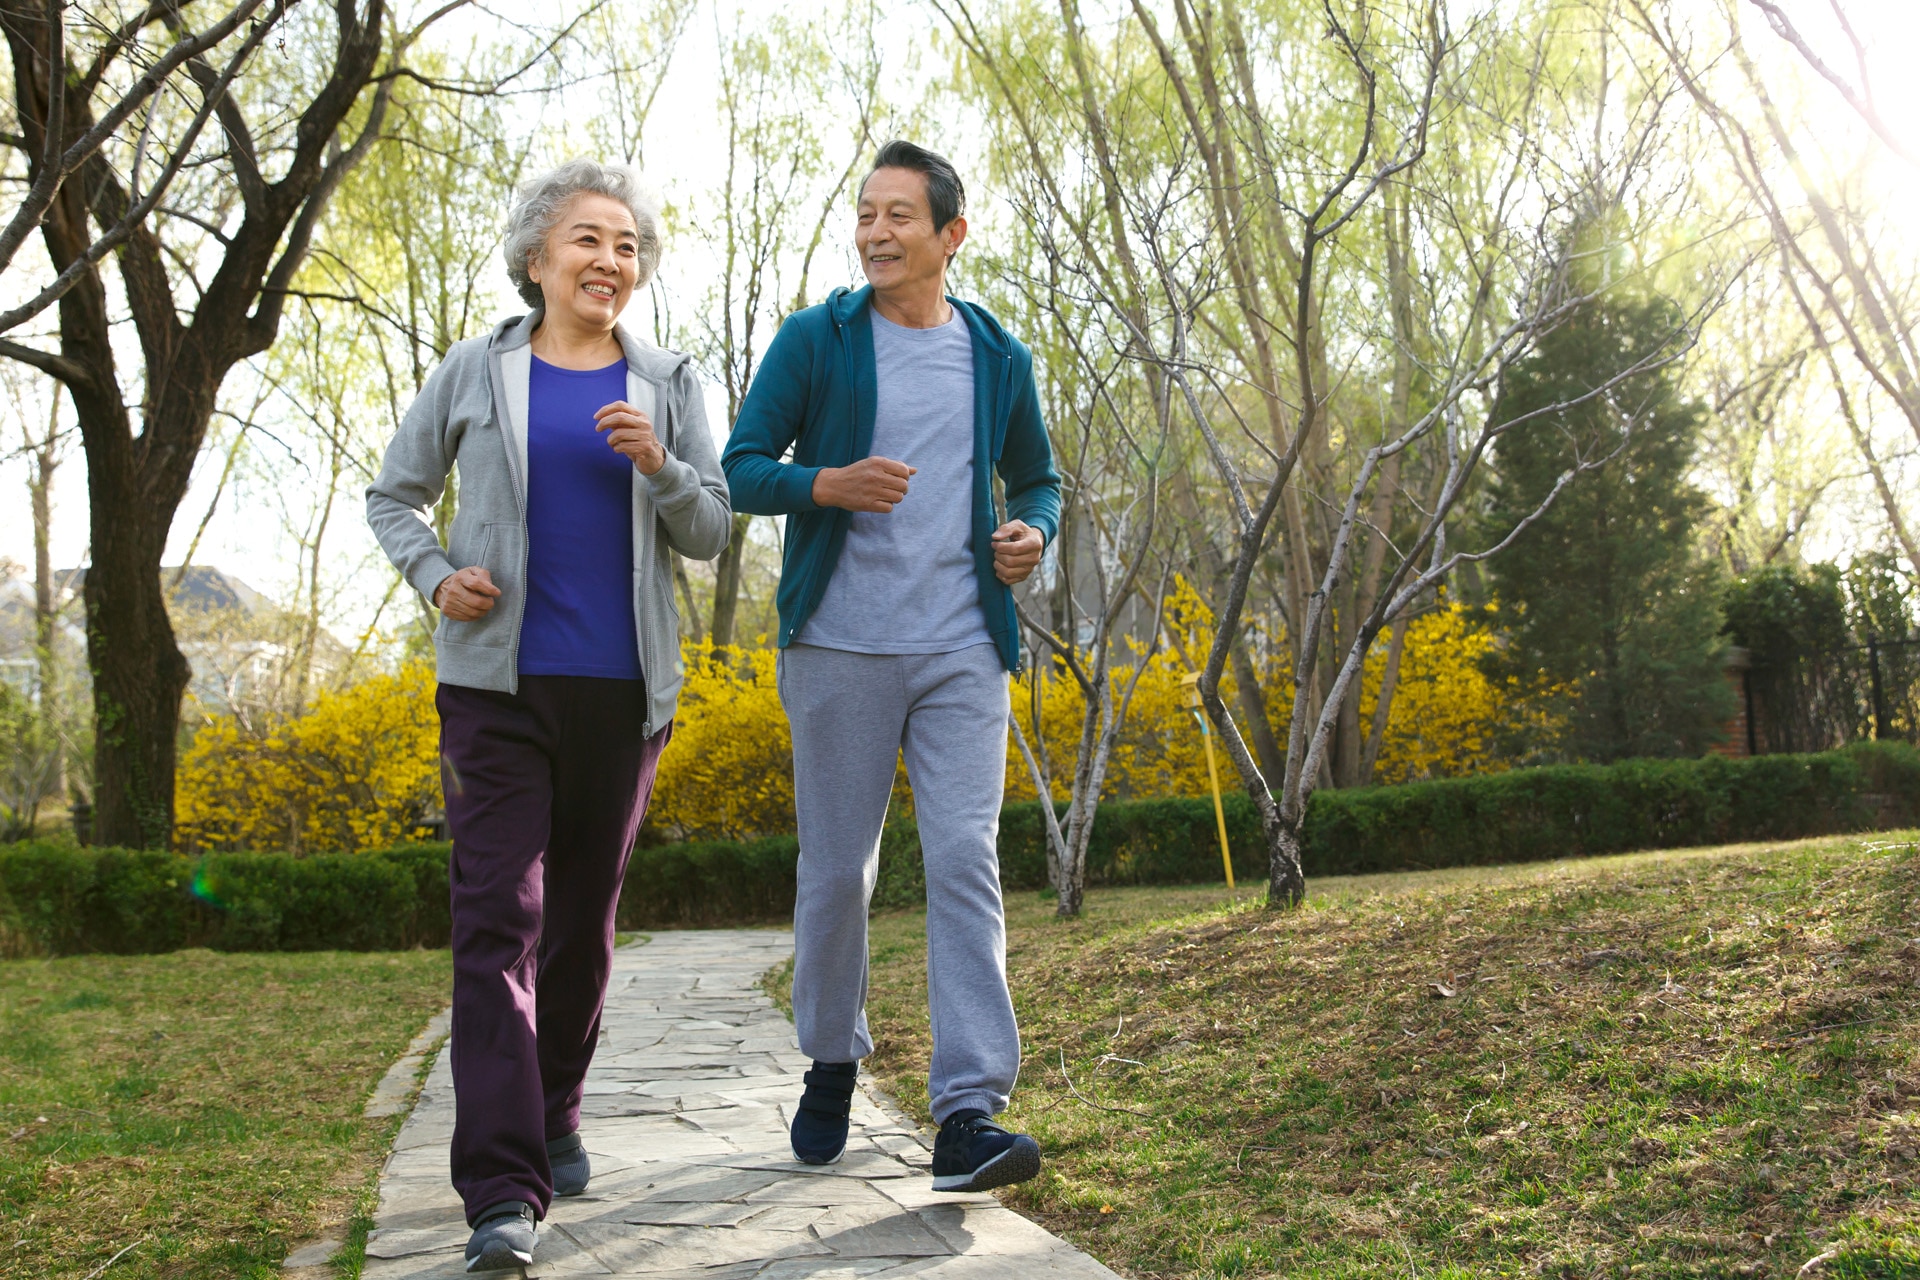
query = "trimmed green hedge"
x=1570 y=811
x=1527 y=815
x=707 y=883
x=56 y=899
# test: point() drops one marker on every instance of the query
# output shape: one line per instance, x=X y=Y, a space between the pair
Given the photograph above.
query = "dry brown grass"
x=1697 y=1063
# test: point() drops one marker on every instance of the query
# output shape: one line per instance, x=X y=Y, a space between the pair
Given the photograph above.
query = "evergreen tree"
x=1608 y=609
x=1809 y=685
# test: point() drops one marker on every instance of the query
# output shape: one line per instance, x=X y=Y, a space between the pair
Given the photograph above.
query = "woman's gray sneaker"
x=567 y=1162
x=504 y=1238
x=973 y=1153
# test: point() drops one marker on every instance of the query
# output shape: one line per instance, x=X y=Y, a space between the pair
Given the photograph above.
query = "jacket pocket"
x=500 y=547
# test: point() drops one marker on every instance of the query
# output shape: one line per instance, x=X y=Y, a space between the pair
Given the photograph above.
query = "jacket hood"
x=844 y=304
x=655 y=364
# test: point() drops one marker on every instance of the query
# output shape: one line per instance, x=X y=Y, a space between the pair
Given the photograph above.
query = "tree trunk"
x=1286 y=875
x=46 y=458
x=139 y=674
x=1347 y=745
x=1383 y=705
x=1253 y=705
x=726 y=582
x=695 y=629
x=1070 y=894
x=310 y=625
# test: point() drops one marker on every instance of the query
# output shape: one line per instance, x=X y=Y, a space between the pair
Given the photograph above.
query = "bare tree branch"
x=1858 y=96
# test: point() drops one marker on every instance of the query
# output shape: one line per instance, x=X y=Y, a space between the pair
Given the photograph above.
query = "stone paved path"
x=686 y=1120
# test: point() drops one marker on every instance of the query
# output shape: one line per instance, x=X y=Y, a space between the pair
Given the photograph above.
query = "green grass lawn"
x=1701 y=1063
x=204 y=1109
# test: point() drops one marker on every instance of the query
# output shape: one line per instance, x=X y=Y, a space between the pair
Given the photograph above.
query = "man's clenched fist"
x=1017 y=547
x=871 y=484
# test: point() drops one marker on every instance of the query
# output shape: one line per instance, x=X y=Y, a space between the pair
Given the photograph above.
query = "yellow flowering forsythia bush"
x=1446 y=719
x=359 y=770
x=728 y=773
x=1159 y=752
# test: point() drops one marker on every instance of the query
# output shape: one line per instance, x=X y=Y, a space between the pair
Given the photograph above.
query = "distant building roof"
x=201 y=587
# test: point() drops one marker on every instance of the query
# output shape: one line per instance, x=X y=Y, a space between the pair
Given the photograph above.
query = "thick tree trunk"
x=726 y=583
x=139 y=675
x=1070 y=894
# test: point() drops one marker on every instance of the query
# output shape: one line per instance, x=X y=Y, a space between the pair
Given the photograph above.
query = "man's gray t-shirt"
x=905 y=580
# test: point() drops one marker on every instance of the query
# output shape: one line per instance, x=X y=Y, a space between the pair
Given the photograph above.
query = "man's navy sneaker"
x=973 y=1153
x=504 y=1238
x=567 y=1162
x=819 y=1129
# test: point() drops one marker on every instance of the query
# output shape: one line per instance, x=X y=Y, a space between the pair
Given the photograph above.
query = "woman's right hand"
x=465 y=595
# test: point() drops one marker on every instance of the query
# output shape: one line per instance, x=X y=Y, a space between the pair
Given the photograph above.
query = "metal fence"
x=1828 y=699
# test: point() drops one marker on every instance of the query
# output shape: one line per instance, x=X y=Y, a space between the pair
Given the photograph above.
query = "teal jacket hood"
x=816 y=395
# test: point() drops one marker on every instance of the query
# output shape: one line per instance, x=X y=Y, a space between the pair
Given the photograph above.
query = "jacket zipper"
x=503 y=427
x=643 y=554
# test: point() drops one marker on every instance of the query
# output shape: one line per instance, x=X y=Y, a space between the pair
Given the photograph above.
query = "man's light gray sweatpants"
x=852 y=713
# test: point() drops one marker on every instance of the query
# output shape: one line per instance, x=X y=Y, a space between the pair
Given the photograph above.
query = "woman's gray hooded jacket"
x=473 y=411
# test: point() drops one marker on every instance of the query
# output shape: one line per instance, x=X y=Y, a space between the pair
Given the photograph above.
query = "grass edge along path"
x=1690 y=1063
x=204 y=1108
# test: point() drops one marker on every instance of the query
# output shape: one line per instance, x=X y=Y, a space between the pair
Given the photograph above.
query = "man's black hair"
x=946 y=197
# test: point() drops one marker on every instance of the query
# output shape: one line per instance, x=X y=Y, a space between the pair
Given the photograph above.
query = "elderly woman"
x=584 y=459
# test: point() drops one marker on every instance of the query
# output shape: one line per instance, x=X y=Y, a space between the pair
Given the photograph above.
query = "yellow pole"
x=1192 y=682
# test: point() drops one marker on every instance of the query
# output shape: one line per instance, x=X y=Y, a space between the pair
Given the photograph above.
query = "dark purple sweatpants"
x=545 y=789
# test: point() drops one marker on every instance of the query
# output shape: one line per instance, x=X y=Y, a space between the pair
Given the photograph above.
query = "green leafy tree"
x=1611 y=610
x=1809 y=686
x=1780 y=614
x=1880 y=606
x=1880 y=598
x=29 y=764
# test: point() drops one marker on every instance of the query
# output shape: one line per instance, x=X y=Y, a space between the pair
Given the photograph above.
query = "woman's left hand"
x=630 y=432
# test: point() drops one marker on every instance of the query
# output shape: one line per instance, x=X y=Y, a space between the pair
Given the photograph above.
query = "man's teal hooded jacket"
x=816 y=391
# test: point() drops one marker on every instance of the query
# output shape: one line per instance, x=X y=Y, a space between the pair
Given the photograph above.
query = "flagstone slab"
x=685 y=1118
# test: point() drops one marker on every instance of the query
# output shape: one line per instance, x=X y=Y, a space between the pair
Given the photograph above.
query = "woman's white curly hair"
x=538 y=204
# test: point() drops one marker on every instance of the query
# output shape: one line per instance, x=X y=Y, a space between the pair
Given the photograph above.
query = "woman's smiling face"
x=591 y=262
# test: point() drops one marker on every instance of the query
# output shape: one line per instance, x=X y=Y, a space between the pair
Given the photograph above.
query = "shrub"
x=1567 y=811
x=360 y=770
x=1448 y=717
x=709 y=882
x=728 y=773
x=57 y=899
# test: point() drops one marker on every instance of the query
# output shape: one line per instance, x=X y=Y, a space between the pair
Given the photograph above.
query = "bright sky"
x=685 y=148
x=685 y=153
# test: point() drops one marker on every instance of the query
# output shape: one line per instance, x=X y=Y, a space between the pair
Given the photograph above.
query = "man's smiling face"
x=900 y=248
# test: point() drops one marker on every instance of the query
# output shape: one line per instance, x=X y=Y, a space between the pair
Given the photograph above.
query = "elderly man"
x=898 y=630
x=584 y=460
